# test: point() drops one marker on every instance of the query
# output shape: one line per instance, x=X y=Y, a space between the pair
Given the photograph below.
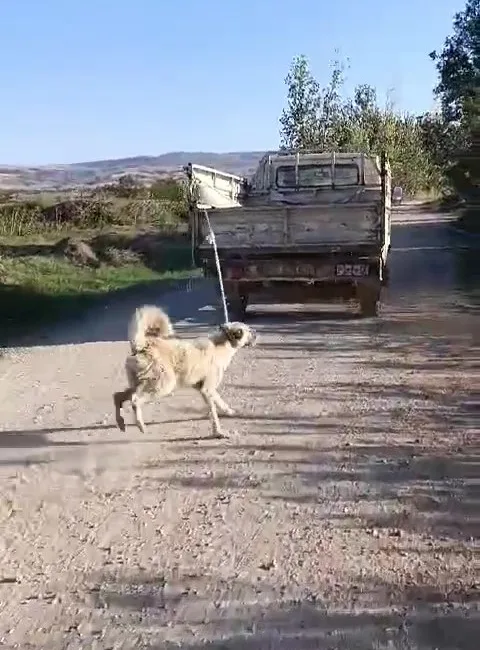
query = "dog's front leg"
x=223 y=406
x=210 y=401
x=219 y=403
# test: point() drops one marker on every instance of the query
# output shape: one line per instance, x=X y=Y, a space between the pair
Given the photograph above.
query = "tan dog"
x=160 y=362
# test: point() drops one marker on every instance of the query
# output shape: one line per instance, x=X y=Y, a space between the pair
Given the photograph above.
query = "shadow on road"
x=407 y=437
x=106 y=318
x=213 y=614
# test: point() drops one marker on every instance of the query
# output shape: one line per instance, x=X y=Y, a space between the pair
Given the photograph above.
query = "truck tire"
x=386 y=276
x=369 y=307
x=237 y=308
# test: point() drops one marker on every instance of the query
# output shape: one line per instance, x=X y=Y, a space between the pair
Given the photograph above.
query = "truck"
x=307 y=226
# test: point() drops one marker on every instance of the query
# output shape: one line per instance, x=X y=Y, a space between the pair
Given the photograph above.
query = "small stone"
x=49 y=596
x=70 y=628
x=267 y=565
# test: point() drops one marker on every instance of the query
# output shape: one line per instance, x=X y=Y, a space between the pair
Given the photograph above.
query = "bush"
x=122 y=204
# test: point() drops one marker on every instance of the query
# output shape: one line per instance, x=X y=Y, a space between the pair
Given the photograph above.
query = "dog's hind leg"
x=118 y=400
x=137 y=399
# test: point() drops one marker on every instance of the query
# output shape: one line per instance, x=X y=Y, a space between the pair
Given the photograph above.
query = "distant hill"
x=143 y=168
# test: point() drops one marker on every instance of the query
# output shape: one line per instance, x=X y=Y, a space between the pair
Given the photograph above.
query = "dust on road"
x=343 y=512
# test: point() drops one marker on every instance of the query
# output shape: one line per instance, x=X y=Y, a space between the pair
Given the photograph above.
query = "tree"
x=441 y=139
x=458 y=66
x=331 y=108
x=299 y=123
x=325 y=120
x=361 y=121
x=465 y=170
x=312 y=113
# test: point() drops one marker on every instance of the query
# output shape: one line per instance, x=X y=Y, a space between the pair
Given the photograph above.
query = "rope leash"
x=217 y=264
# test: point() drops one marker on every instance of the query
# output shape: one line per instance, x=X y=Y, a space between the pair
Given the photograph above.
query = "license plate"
x=351 y=270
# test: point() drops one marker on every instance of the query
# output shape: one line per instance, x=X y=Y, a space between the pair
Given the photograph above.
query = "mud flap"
x=368 y=295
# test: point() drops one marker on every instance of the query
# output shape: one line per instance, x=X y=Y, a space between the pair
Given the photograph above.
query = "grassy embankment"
x=59 y=255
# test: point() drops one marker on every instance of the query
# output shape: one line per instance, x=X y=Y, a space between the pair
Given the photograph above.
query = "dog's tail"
x=147 y=322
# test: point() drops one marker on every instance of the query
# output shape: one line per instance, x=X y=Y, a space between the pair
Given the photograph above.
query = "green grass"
x=39 y=290
x=52 y=276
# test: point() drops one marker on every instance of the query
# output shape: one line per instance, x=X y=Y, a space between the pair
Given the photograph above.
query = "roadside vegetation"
x=437 y=153
x=60 y=253
x=122 y=204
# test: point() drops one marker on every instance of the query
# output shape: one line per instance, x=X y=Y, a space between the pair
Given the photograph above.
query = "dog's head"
x=239 y=335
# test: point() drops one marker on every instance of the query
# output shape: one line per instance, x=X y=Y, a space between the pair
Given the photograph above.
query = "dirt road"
x=343 y=512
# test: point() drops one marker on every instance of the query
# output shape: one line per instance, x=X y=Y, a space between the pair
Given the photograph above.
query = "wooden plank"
x=327 y=197
x=286 y=226
x=294 y=225
x=341 y=224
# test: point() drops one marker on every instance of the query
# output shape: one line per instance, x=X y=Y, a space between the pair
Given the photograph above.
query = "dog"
x=160 y=362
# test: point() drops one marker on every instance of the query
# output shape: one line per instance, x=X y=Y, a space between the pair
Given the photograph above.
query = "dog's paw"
x=120 y=423
x=229 y=412
x=218 y=435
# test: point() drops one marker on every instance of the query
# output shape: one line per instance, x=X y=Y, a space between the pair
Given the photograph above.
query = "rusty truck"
x=305 y=227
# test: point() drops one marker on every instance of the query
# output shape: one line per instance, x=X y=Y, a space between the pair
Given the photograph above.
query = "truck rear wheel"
x=369 y=307
x=368 y=296
x=237 y=308
x=386 y=276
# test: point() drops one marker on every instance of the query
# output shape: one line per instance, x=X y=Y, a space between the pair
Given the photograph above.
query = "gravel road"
x=342 y=513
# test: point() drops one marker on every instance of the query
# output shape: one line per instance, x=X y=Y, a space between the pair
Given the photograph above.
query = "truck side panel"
x=294 y=226
x=216 y=188
x=386 y=206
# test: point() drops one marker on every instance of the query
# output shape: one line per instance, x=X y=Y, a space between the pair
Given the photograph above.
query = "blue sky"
x=85 y=80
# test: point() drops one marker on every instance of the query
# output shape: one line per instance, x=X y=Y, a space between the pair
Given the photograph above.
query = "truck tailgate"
x=258 y=227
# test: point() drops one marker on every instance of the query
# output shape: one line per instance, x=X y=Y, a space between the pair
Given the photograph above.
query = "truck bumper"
x=288 y=291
